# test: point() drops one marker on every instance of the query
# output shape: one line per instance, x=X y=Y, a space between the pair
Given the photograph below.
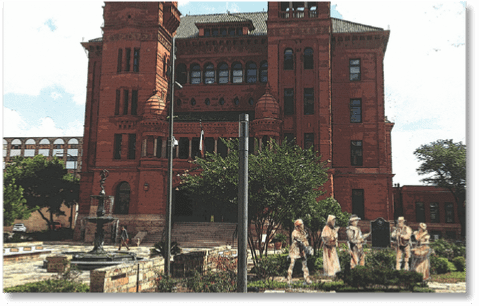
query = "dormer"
x=225 y=25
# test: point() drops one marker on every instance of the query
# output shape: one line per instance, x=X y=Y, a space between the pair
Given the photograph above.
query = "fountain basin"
x=91 y=261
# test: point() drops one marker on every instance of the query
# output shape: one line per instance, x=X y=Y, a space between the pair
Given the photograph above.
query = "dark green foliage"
x=160 y=248
x=385 y=258
x=380 y=278
x=439 y=265
x=165 y=283
x=449 y=250
x=14 y=204
x=45 y=183
x=50 y=285
x=271 y=266
x=220 y=281
x=460 y=263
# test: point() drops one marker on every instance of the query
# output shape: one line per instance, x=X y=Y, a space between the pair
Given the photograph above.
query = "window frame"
x=136 y=60
x=251 y=72
x=127 y=59
x=308 y=101
x=195 y=68
x=235 y=69
x=223 y=69
x=420 y=212
x=449 y=212
x=209 y=68
x=263 y=72
x=288 y=63
x=288 y=101
x=131 y=146
x=117 y=146
x=356 y=108
x=434 y=212
x=308 y=59
x=357 y=153
x=354 y=76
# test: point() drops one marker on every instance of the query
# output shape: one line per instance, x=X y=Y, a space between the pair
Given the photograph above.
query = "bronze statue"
x=329 y=237
x=420 y=254
x=402 y=242
x=355 y=242
x=299 y=249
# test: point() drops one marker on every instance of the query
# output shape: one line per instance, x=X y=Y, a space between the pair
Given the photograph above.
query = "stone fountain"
x=98 y=257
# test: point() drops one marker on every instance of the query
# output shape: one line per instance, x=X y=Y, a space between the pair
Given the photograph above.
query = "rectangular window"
x=420 y=212
x=131 y=146
x=355 y=70
x=308 y=140
x=120 y=60
x=117 y=147
x=207 y=32
x=184 y=148
x=125 y=102
x=117 y=102
x=356 y=152
x=355 y=111
x=434 y=211
x=136 y=60
x=358 y=202
x=288 y=101
x=159 y=146
x=134 y=102
x=449 y=207
x=309 y=101
x=127 y=59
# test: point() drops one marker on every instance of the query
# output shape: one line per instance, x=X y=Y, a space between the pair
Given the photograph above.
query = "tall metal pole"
x=243 y=203
x=170 y=164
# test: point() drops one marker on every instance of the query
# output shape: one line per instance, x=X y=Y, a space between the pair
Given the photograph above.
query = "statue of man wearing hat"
x=355 y=241
x=402 y=238
x=329 y=236
x=420 y=259
x=299 y=249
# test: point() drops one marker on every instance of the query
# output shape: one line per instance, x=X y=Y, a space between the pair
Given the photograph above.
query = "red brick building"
x=297 y=72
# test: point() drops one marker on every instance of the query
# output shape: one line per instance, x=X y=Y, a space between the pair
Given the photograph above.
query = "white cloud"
x=45 y=127
x=37 y=57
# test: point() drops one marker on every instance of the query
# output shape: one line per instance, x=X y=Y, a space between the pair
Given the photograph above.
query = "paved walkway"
x=25 y=272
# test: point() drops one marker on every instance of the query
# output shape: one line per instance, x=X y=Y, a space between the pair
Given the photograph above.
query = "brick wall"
x=124 y=278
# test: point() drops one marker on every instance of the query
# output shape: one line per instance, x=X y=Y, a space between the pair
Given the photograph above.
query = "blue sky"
x=45 y=67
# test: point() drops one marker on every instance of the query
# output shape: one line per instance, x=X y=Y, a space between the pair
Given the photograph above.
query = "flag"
x=202 y=145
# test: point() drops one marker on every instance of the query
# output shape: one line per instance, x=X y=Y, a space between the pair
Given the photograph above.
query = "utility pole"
x=170 y=164
x=243 y=203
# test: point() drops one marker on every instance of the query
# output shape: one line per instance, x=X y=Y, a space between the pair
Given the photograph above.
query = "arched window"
x=237 y=73
x=122 y=199
x=72 y=154
x=29 y=148
x=263 y=72
x=223 y=73
x=236 y=101
x=251 y=71
x=195 y=74
x=181 y=76
x=288 y=59
x=58 y=147
x=15 y=147
x=251 y=101
x=44 y=148
x=209 y=73
x=308 y=58
x=193 y=102
x=207 y=101
x=222 y=101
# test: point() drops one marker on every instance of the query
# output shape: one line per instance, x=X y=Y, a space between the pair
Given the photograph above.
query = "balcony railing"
x=298 y=14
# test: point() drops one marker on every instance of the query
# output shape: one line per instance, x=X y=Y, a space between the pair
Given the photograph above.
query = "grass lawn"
x=451 y=277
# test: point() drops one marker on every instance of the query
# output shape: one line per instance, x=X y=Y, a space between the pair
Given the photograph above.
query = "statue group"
x=402 y=236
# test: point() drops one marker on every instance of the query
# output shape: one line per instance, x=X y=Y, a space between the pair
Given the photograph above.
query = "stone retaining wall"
x=23 y=251
x=129 y=277
x=201 y=261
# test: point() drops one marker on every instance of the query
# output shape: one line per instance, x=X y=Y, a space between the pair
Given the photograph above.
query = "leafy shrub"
x=460 y=263
x=223 y=281
x=385 y=258
x=160 y=248
x=443 y=248
x=379 y=278
x=271 y=266
x=439 y=265
x=50 y=285
x=164 y=283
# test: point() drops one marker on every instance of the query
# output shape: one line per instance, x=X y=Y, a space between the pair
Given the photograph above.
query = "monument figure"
x=355 y=241
x=401 y=236
x=329 y=237
x=420 y=253
x=299 y=249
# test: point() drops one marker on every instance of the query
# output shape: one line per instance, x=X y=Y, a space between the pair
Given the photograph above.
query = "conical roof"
x=267 y=107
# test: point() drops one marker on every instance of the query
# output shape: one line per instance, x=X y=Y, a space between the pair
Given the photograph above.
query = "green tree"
x=284 y=183
x=45 y=183
x=445 y=163
x=14 y=204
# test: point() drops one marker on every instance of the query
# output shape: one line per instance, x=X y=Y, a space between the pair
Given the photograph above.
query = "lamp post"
x=171 y=144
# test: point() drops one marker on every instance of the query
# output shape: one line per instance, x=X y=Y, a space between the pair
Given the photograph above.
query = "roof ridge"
x=226 y=13
x=356 y=23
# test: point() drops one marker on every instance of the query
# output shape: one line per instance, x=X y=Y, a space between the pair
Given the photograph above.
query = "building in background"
x=69 y=149
x=299 y=74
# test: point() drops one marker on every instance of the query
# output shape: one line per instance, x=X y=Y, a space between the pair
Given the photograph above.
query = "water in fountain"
x=98 y=257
